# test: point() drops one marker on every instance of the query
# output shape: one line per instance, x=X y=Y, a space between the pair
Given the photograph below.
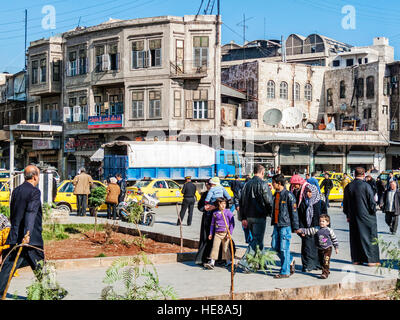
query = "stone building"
x=128 y=80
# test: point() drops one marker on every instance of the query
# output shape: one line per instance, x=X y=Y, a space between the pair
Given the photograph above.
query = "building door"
x=71 y=166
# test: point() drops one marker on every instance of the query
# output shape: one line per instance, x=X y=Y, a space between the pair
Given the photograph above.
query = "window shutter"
x=148 y=59
x=78 y=66
x=118 y=59
x=67 y=114
x=189 y=109
x=77 y=113
x=211 y=109
x=69 y=68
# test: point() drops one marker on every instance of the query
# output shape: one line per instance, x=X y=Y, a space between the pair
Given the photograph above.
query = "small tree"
x=139 y=282
x=5 y=210
x=393 y=260
x=135 y=210
x=97 y=197
x=261 y=259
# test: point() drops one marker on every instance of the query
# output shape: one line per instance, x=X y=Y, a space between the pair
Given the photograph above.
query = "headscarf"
x=315 y=198
x=296 y=179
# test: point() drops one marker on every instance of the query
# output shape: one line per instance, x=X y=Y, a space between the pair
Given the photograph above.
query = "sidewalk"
x=191 y=281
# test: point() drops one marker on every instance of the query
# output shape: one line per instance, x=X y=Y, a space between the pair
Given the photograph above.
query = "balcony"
x=188 y=70
x=51 y=116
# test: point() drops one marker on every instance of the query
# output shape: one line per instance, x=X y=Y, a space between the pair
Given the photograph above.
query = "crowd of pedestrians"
x=301 y=209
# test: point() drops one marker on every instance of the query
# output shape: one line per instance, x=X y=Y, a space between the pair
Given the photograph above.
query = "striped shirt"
x=326 y=237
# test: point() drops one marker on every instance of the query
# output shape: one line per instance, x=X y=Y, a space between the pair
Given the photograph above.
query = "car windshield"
x=142 y=183
x=225 y=183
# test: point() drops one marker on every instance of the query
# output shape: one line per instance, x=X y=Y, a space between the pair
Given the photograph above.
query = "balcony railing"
x=188 y=69
x=114 y=108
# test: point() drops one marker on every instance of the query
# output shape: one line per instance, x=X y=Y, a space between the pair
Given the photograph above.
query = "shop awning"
x=98 y=155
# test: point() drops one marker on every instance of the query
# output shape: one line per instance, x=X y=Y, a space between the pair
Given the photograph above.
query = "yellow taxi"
x=66 y=199
x=225 y=183
x=4 y=192
x=336 y=193
x=166 y=190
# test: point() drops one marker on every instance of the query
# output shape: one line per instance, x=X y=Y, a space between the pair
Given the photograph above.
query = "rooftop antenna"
x=243 y=24
x=79 y=22
x=264 y=29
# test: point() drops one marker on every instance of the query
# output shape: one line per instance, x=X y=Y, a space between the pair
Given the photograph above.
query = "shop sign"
x=46 y=144
x=98 y=122
x=81 y=144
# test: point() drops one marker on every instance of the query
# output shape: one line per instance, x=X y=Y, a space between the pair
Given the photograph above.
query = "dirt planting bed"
x=84 y=245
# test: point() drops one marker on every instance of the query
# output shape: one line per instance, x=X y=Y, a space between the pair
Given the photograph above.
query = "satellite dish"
x=291 y=117
x=309 y=126
x=272 y=117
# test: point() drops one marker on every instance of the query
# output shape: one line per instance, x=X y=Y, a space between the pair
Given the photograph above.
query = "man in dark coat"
x=25 y=215
x=122 y=187
x=236 y=187
x=390 y=204
x=359 y=207
x=189 y=199
x=327 y=184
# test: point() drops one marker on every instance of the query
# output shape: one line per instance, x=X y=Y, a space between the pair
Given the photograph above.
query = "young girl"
x=219 y=230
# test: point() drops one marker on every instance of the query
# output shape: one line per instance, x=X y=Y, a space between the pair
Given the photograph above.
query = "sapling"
x=97 y=197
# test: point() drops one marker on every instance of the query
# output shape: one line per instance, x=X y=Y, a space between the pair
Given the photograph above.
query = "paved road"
x=191 y=281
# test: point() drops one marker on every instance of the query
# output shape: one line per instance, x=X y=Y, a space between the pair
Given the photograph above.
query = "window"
x=84 y=109
x=200 y=109
x=74 y=110
x=368 y=113
x=72 y=67
x=370 y=87
x=54 y=113
x=271 y=89
x=43 y=70
x=138 y=105
x=138 y=55
x=173 y=185
x=336 y=63
x=46 y=113
x=366 y=60
x=283 y=90
x=114 y=57
x=308 y=92
x=297 y=91
x=155 y=104
x=349 y=62
x=329 y=100
x=35 y=66
x=155 y=53
x=56 y=70
x=160 y=184
x=99 y=66
x=177 y=104
x=250 y=87
x=385 y=109
x=200 y=52
x=342 y=93
x=360 y=88
x=115 y=105
x=98 y=106
x=360 y=61
x=82 y=61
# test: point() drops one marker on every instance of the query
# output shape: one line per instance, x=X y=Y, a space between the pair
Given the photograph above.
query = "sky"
x=360 y=22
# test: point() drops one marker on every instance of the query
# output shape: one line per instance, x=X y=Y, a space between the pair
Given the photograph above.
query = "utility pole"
x=26 y=37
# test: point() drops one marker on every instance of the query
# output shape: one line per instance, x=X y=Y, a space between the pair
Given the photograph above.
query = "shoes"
x=209 y=266
x=228 y=264
x=323 y=276
x=374 y=264
x=293 y=268
x=281 y=276
x=356 y=263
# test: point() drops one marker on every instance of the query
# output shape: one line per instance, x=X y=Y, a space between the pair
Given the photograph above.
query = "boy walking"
x=285 y=221
x=326 y=239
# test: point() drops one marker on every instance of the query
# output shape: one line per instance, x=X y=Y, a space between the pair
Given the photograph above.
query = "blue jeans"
x=281 y=244
x=256 y=226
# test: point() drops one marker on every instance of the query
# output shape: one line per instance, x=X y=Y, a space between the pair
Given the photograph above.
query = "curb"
x=336 y=291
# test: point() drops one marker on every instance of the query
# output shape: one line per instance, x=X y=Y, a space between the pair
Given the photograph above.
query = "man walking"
x=390 y=204
x=122 y=186
x=82 y=183
x=360 y=209
x=327 y=184
x=285 y=221
x=189 y=199
x=255 y=205
x=236 y=187
x=25 y=216
x=391 y=178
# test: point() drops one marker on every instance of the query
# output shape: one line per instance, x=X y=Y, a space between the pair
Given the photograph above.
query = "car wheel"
x=64 y=207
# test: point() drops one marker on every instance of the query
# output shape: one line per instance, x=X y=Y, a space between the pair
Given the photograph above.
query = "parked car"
x=4 y=192
x=166 y=190
x=336 y=193
x=66 y=199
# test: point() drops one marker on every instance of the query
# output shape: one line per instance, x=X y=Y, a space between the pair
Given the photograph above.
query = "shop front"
x=329 y=161
x=364 y=159
x=47 y=152
x=78 y=151
x=294 y=158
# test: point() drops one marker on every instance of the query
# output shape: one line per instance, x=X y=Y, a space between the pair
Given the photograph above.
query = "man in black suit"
x=189 y=199
x=25 y=215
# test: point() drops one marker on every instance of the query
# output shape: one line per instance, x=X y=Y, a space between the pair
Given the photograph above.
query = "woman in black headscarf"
x=309 y=210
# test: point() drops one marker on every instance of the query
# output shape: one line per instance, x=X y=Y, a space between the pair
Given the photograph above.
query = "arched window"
x=370 y=87
x=283 y=90
x=297 y=91
x=308 y=92
x=342 y=89
x=271 y=89
x=360 y=88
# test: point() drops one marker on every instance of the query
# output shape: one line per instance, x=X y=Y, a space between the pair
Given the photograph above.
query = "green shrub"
x=97 y=197
x=260 y=260
x=5 y=210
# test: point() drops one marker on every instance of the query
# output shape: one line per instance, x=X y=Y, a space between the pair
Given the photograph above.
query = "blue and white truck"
x=175 y=160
